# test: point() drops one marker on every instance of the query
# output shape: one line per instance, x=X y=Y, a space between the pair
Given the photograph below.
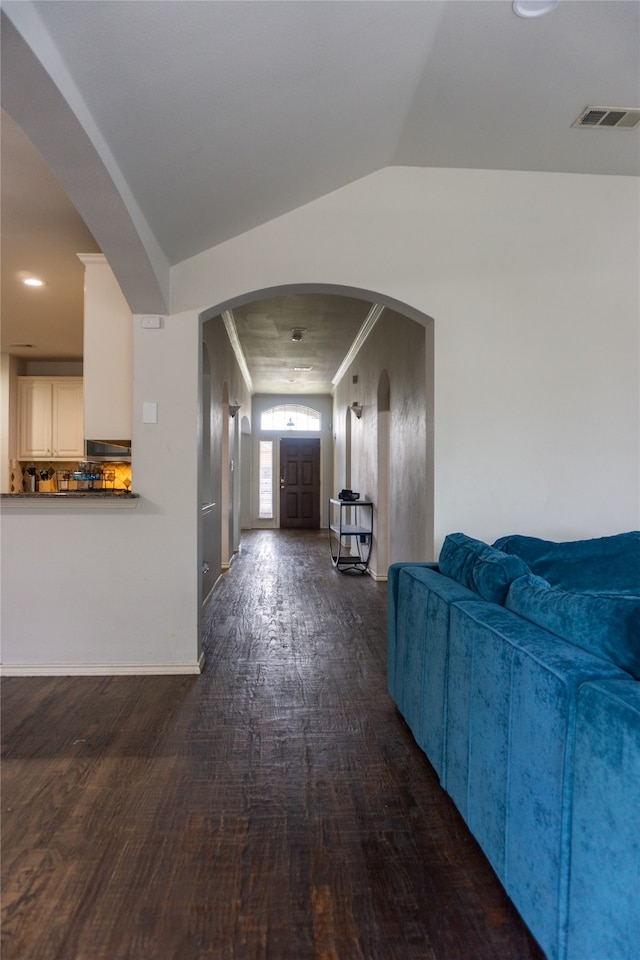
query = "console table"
x=350 y=534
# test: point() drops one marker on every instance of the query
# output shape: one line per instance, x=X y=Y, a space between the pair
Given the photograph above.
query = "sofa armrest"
x=392 y=618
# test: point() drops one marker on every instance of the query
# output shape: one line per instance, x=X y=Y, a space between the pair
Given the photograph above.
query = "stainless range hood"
x=118 y=451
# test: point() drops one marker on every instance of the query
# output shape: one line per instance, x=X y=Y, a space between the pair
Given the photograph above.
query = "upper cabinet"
x=50 y=418
x=108 y=353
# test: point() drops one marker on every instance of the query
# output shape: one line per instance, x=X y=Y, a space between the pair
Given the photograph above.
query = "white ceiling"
x=41 y=234
x=215 y=116
x=328 y=326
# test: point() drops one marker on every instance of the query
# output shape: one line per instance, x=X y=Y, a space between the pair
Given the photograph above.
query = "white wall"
x=107 y=353
x=532 y=283
x=90 y=590
x=531 y=279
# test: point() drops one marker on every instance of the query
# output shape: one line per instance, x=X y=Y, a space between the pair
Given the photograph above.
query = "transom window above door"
x=290 y=416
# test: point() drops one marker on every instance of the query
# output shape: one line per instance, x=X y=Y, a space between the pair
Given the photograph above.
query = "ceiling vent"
x=619 y=117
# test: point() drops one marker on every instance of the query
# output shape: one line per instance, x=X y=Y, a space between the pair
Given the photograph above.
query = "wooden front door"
x=300 y=483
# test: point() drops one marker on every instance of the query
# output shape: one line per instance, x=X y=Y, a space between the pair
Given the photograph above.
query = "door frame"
x=324 y=403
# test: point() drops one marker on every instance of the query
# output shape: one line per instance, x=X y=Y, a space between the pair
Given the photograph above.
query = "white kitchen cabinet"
x=50 y=418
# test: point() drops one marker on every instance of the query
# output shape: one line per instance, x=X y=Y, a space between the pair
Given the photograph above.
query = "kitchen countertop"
x=85 y=498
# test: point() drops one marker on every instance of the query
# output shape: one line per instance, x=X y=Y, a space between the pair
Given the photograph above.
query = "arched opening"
x=379 y=457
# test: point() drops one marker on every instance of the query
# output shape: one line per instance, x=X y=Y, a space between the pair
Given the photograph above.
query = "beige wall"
x=107 y=353
x=10 y=368
x=397 y=345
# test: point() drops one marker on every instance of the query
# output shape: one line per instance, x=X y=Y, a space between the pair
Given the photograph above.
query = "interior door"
x=300 y=483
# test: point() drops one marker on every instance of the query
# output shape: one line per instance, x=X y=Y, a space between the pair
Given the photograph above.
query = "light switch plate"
x=151 y=323
x=149 y=411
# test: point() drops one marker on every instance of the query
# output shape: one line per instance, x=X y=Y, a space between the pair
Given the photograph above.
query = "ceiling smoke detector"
x=296 y=333
x=624 y=118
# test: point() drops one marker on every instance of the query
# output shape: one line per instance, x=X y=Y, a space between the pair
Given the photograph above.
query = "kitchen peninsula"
x=75 y=498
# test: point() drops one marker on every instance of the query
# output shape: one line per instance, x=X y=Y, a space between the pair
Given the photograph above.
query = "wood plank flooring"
x=275 y=808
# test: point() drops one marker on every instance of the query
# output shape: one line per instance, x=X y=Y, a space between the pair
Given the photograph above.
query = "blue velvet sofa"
x=517 y=668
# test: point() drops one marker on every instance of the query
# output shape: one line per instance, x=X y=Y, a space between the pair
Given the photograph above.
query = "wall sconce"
x=357 y=409
x=233 y=408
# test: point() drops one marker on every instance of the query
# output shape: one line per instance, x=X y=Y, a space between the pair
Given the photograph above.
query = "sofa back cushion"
x=609 y=565
x=479 y=567
x=608 y=627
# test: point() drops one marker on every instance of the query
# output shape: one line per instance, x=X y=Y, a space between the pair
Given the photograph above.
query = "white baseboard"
x=225 y=565
x=382 y=577
x=100 y=669
x=210 y=594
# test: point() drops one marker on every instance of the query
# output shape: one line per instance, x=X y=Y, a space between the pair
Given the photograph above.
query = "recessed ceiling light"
x=302 y=369
x=530 y=9
x=33 y=282
x=296 y=333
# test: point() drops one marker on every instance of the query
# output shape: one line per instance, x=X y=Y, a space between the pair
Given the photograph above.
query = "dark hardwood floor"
x=276 y=807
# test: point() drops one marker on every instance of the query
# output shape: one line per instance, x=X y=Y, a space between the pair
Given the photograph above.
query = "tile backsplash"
x=122 y=474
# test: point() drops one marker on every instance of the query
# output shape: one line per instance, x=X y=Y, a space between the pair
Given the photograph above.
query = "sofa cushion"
x=604 y=565
x=480 y=567
x=608 y=627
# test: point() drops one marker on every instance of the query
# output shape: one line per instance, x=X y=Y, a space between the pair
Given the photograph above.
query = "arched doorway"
x=378 y=427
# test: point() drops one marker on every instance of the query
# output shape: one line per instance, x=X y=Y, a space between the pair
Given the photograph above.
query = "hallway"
x=275 y=808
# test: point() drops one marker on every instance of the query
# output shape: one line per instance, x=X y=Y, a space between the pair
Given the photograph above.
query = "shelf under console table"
x=350 y=525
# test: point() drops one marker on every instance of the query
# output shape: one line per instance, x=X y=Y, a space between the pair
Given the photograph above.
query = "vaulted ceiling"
x=213 y=116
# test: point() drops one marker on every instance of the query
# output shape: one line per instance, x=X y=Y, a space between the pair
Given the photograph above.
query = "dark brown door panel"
x=300 y=483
